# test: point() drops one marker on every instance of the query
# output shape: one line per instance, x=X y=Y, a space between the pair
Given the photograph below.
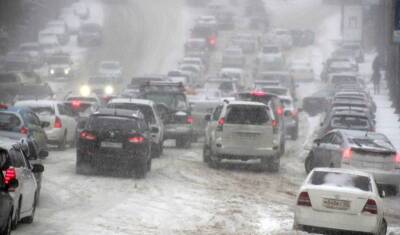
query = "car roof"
x=132 y=101
x=231 y=70
x=118 y=113
x=343 y=170
x=245 y=103
x=35 y=103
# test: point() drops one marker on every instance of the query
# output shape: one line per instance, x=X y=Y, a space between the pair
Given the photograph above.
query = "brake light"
x=87 y=136
x=3 y=106
x=76 y=103
x=346 y=155
x=279 y=111
x=221 y=123
x=57 y=123
x=257 y=93
x=136 y=139
x=274 y=126
x=371 y=207
x=212 y=40
x=189 y=120
x=24 y=130
x=10 y=174
x=304 y=199
x=397 y=160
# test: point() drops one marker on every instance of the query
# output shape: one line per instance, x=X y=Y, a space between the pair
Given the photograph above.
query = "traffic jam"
x=256 y=128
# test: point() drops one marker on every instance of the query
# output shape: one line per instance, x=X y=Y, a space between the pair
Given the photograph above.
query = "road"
x=181 y=195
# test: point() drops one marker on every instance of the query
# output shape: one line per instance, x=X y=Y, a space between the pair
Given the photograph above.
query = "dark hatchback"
x=114 y=139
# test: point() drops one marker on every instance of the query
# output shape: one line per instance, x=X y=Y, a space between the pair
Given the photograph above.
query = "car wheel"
x=7 y=229
x=309 y=163
x=141 y=170
x=206 y=153
x=383 y=229
x=214 y=162
x=82 y=168
x=62 y=142
x=149 y=165
x=156 y=151
x=15 y=221
x=274 y=164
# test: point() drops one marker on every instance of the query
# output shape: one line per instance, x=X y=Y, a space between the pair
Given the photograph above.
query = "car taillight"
x=57 y=123
x=346 y=155
x=371 y=207
x=9 y=175
x=212 y=40
x=87 y=136
x=279 y=111
x=397 y=160
x=189 y=120
x=304 y=199
x=24 y=130
x=258 y=93
x=221 y=123
x=136 y=139
x=294 y=113
x=274 y=124
x=76 y=103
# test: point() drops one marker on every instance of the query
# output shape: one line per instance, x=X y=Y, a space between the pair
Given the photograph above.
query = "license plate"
x=111 y=145
x=336 y=204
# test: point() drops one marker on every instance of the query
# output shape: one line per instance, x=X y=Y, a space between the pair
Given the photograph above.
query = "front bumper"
x=306 y=216
x=54 y=135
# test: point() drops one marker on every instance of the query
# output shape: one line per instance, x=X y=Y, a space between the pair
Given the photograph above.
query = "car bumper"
x=245 y=153
x=178 y=131
x=306 y=216
x=54 y=135
x=111 y=159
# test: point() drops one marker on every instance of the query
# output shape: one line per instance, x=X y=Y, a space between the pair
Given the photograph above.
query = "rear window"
x=9 y=122
x=250 y=115
x=338 y=80
x=43 y=111
x=380 y=143
x=172 y=101
x=342 y=180
x=146 y=110
x=112 y=123
x=350 y=122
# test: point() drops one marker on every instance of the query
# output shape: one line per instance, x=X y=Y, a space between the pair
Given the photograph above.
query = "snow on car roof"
x=131 y=101
x=35 y=103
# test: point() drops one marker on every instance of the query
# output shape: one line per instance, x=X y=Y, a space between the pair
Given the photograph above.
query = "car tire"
x=82 y=168
x=309 y=163
x=206 y=154
x=8 y=228
x=16 y=219
x=214 y=161
x=141 y=170
x=274 y=164
x=383 y=228
x=156 y=150
x=62 y=142
x=183 y=142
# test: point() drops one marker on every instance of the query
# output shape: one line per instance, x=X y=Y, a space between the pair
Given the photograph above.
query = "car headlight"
x=67 y=70
x=85 y=90
x=52 y=71
x=109 y=90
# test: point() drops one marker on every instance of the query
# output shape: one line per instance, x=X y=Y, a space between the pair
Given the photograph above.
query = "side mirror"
x=37 y=168
x=317 y=141
x=382 y=193
x=207 y=117
x=45 y=124
x=43 y=154
x=12 y=184
x=155 y=129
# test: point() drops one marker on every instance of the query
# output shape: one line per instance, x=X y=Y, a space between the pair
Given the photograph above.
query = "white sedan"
x=302 y=70
x=333 y=199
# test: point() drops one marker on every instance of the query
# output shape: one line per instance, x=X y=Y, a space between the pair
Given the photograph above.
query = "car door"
x=335 y=150
x=213 y=123
x=30 y=181
x=320 y=150
x=35 y=130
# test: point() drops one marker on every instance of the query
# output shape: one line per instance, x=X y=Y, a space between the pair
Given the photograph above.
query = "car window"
x=337 y=140
x=17 y=158
x=43 y=111
x=327 y=138
x=217 y=113
x=146 y=110
x=9 y=122
x=31 y=118
x=342 y=180
x=350 y=122
x=112 y=123
x=65 y=110
x=250 y=115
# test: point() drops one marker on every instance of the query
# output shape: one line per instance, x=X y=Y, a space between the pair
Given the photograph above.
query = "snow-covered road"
x=181 y=195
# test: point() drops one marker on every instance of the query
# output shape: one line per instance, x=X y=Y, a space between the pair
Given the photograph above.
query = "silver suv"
x=242 y=130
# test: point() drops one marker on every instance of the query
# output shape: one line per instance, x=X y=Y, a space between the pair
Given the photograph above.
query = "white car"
x=234 y=73
x=302 y=70
x=333 y=199
x=60 y=120
x=148 y=109
x=194 y=60
x=111 y=69
x=197 y=72
x=207 y=20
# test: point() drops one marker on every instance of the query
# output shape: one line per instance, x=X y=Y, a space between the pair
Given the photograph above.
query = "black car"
x=173 y=108
x=114 y=139
x=6 y=201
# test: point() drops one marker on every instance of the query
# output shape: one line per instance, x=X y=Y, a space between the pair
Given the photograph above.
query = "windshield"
x=172 y=101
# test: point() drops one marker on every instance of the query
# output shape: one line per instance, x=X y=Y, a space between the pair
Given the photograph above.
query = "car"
x=347 y=119
x=207 y=32
x=25 y=195
x=7 y=203
x=196 y=61
x=59 y=119
x=350 y=104
x=356 y=48
x=110 y=68
x=115 y=139
x=233 y=57
x=367 y=151
x=85 y=95
x=49 y=45
x=357 y=94
x=139 y=81
x=227 y=87
x=149 y=110
x=173 y=107
x=237 y=74
x=302 y=38
x=274 y=89
x=338 y=65
x=81 y=10
x=284 y=78
x=317 y=102
x=60 y=66
x=345 y=98
x=269 y=58
x=242 y=130
x=10 y=83
x=90 y=34
x=339 y=201
x=18 y=62
x=184 y=77
x=200 y=108
x=207 y=20
x=302 y=71
x=276 y=107
x=290 y=116
x=59 y=31
x=34 y=50
x=246 y=41
x=105 y=86
x=283 y=38
x=196 y=72
x=25 y=122
x=34 y=91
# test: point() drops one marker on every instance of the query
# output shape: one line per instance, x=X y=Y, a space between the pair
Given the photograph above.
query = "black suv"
x=173 y=108
x=114 y=139
x=6 y=201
